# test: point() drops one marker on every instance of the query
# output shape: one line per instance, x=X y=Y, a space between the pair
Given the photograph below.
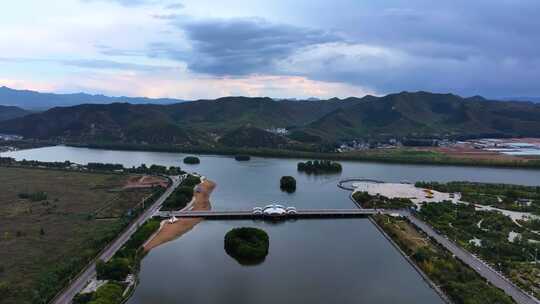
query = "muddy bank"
x=171 y=231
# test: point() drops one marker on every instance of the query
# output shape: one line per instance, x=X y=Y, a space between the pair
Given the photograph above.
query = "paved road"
x=80 y=282
x=480 y=267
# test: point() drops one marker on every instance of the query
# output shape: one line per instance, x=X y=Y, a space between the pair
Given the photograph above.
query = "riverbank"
x=398 y=156
x=171 y=231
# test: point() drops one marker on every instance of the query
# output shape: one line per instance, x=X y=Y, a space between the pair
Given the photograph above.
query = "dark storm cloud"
x=466 y=47
x=243 y=46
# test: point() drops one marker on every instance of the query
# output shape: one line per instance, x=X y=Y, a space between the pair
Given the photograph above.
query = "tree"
x=191 y=160
x=116 y=269
x=288 y=184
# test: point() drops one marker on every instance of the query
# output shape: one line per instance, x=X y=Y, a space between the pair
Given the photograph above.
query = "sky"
x=192 y=49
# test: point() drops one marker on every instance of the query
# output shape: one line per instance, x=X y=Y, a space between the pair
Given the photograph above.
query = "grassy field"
x=45 y=241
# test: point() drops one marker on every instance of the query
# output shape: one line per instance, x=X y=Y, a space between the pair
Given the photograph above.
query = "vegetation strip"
x=432 y=284
x=458 y=281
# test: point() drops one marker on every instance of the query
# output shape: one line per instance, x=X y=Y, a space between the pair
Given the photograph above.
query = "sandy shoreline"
x=168 y=232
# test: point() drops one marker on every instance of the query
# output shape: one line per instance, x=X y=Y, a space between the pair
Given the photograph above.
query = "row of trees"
x=459 y=282
x=183 y=194
x=95 y=166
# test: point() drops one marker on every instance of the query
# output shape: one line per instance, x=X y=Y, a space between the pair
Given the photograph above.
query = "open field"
x=52 y=223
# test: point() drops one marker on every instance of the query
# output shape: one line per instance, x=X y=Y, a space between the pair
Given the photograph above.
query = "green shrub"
x=110 y=293
x=116 y=269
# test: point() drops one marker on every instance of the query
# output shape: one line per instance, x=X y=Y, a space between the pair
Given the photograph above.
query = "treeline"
x=183 y=194
x=395 y=156
x=93 y=166
x=319 y=167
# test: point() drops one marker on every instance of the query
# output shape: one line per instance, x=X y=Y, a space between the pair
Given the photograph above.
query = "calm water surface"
x=310 y=261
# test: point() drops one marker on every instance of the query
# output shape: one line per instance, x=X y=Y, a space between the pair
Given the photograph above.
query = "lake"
x=310 y=261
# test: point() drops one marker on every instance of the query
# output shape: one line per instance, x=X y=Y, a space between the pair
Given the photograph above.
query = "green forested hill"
x=240 y=121
x=429 y=115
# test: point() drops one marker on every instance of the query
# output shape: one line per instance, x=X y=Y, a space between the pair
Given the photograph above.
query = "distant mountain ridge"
x=522 y=98
x=10 y=112
x=244 y=121
x=32 y=100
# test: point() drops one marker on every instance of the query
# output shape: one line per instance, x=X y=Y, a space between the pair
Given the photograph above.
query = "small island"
x=319 y=167
x=247 y=245
x=191 y=160
x=242 y=157
x=288 y=184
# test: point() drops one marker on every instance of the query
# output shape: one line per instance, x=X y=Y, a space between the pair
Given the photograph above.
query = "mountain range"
x=522 y=98
x=10 y=112
x=244 y=121
x=31 y=100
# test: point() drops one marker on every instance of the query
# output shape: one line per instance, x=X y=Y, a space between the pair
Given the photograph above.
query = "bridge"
x=248 y=214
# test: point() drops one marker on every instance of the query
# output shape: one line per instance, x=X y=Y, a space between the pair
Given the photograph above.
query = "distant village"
x=510 y=146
